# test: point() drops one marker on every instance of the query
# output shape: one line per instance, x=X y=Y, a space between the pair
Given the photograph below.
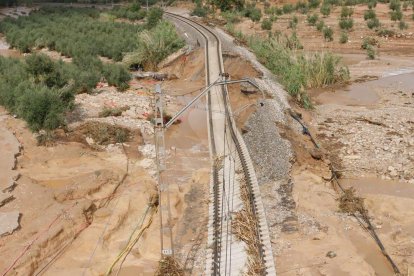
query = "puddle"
x=365 y=94
x=192 y=130
x=372 y=255
x=379 y=186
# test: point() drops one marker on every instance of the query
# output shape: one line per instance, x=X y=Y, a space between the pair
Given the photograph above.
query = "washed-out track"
x=225 y=255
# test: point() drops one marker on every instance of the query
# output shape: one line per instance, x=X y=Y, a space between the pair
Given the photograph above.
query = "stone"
x=5 y=198
x=9 y=222
x=90 y=140
x=331 y=254
x=316 y=153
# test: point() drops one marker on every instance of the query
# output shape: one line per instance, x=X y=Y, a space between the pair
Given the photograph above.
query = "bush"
x=131 y=12
x=288 y=8
x=154 y=16
x=312 y=19
x=369 y=41
x=302 y=7
x=395 y=5
x=293 y=22
x=373 y=23
x=320 y=25
x=297 y=72
x=154 y=46
x=313 y=4
x=293 y=42
x=370 y=52
x=199 y=10
x=346 y=12
x=325 y=9
x=343 y=38
x=108 y=111
x=369 y=14
x=42 y=107
x=396 y=15
x=117 y=75
x=346 y=23
x=372 y=4
x=405 y=6
x=385 y=32
x=402 y=25
x=231 y=17
x=327 y=33
x=255 y=15
x=266 y=24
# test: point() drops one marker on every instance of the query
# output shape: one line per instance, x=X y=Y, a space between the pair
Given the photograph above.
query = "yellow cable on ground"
x=130 y=244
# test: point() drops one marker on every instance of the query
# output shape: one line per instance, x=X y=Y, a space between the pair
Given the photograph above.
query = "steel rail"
x=217 y=240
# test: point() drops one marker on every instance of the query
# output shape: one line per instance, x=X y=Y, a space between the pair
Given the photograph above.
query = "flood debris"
x=168 y=266
x=244 y=227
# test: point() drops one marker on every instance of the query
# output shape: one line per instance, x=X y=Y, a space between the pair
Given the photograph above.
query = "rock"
x=247 y=88
x=90 y=140
x=331 y=254
x=5 y=198
x=316 y=153
x=9 y=222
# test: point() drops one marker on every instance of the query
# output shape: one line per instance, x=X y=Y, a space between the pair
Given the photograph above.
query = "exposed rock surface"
x=9 y=222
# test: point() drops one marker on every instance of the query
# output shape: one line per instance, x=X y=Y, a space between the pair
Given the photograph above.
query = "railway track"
x=232 y=166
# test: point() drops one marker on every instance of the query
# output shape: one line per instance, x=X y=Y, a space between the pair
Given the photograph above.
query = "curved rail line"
x=243 y=157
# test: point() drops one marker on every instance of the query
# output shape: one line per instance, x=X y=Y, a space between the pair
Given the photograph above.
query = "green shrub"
x=396 y=15
x=154 y=16
x=131 y=12
x=346 y=23
x=325 y=9
x=117 y=75
x=266 y=24
x=372 y=4
x=312 y=19
x=402 y=25
x=255 y=15
x=346 y=12
x=369 y=41
x=109 y=111
x=395 y=5
x=42 y=107
x=293 y=22
x=288 y=8
x=231 y=17
x=405 y=6
x=320 y=25
x=302 y=7
x=370 y=52
x=293 y=42
x=313 y=4
x=343 y=38
x=373 y=23
x=297 y=72
x=385 y=32
x=199 y=10
x=154 y=46
x=369 y=14
x=327 y=33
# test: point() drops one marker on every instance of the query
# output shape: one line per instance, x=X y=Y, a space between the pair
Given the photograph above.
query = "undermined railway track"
x=234 y=189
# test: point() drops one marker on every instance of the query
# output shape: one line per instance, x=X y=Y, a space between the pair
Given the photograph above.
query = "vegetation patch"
x=155 y=45
x=103 y=133
x=37 y=90
x=297 y=71
x=115 y=112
